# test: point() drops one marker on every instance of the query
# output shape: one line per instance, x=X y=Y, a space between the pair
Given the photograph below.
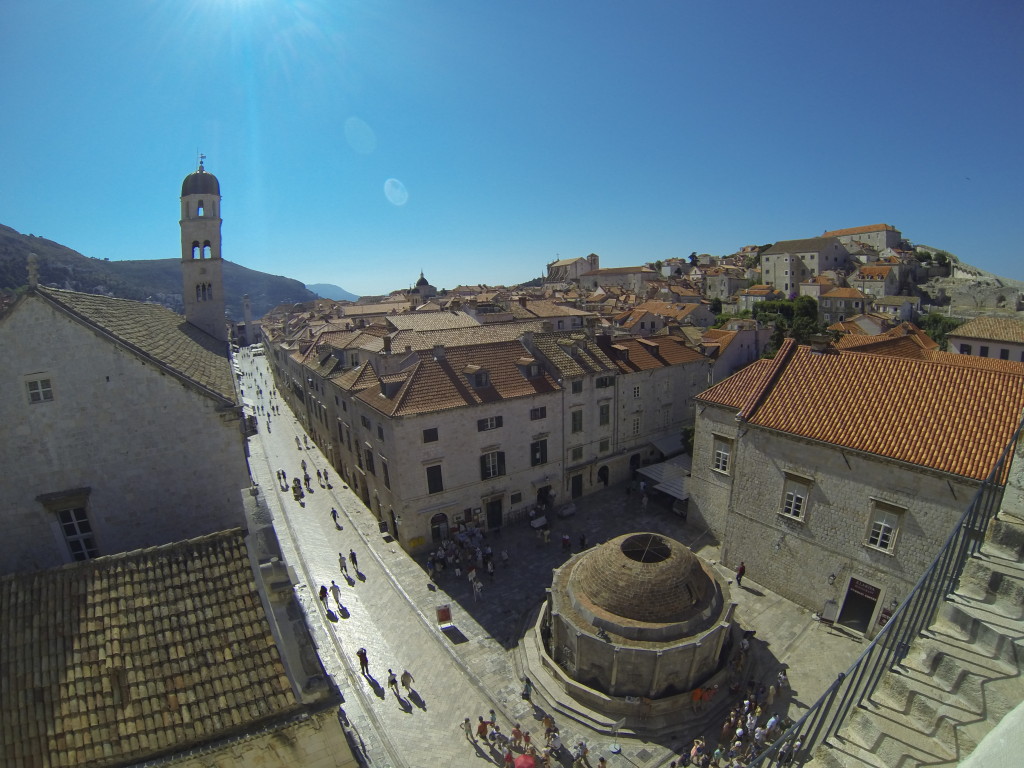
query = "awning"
x=669 y=445
x=670 y=476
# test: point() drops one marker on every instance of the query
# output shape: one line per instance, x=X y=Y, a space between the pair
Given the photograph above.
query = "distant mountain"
x=155 y=280
x=333 y=292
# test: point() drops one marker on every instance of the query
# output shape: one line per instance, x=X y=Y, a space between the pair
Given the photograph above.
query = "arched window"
x=199 y=296
x=199 y=209
x=195 y=249
x=206 y=249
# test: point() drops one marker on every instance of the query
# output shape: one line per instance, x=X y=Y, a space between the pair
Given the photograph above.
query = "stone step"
x=994 y=581
x=979 y=623
x=1004 y=538
x=977 y=645
x=886 y=734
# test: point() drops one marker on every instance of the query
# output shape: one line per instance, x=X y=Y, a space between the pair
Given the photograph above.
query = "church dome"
x=200 y=183
x=422 y=281
x=643 y=577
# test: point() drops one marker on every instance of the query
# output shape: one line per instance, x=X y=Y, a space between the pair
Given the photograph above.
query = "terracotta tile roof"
x=431 y=321
x=806 y=245
x=860 y=230
x=843 y=293
x=572 y=353
x=1006 y=329
x=950 y=418
x=620 y=271
x=648 y=354
x=128 y=657
x=156 y=332
x=458 y=337
x=873 y=273
x=438 y=384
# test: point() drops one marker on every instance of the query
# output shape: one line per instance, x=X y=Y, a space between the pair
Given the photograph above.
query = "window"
x=576 y=454
x=795 y=492
x=605 y=446
x=430 y=435
x=538 y=413
x=516 y=498
x=387 y=473
x=380 y=431
x=369 y=461
x=885 y=524
x=74 y=524
x=365 y=422
x=604 y=414
x=1004 y=354
x=636 y=426
x=604 y=381
x=490 y=422
x=538 y=453
x=577 y=386
x=39 y=391
x=481 y=379
x=983 y=351
x=636 y=391
x=492 y=465
x=434 y=482
x=577 y=420
x=721 y=450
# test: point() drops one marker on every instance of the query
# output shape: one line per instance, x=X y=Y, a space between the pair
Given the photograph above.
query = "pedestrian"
x=481 y=728
x=602 y=763
x=352 y=559
x=478 y=590
x=341 y=563
x=526 y=741
x=407 y=681
x=510 y=760
x=364 y=662
x=741 y=571
x=467 y=728
x=334 y=515
x=336 y=594
x=643 y=502
x=327 y=483
x=527 y=688
x=490 y=569
x=323 y=595
x=517 y=736
x=393 y=681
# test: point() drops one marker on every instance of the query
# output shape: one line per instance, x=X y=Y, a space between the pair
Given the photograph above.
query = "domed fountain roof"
x=643 y=577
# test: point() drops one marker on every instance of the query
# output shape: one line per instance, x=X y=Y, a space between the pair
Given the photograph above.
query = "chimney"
x=387 y=345
x=523 y=300
x=439 y=352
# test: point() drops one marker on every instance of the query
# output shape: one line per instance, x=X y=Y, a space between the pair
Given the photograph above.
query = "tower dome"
x=200 y=183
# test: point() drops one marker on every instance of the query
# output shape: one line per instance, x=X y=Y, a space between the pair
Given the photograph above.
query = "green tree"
x=693 y=258
x=937 y=325
x=716 y=305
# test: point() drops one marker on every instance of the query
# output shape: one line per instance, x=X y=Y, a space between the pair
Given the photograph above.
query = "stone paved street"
x=390 y=610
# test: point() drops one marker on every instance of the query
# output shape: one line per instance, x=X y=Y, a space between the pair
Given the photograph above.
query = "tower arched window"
x=206 y=250
x=200 y=208
x=199 y=293
x=195 y=249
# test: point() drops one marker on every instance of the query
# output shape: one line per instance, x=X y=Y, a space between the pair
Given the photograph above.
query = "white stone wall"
x=162 y=462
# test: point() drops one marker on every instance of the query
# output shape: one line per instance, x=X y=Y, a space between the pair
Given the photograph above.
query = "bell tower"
x=201 y=265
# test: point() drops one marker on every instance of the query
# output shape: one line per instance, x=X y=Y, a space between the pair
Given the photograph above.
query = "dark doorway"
x=544 y=496
x=439 y=527
x=494 y=514
x=577 y=486
x=634 y=462
x=602 y=475
x=859 y=606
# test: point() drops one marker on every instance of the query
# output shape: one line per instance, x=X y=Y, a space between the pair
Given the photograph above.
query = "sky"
x=361 y=142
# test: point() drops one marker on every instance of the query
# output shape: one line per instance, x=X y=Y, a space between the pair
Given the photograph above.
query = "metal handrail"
x=888 y=648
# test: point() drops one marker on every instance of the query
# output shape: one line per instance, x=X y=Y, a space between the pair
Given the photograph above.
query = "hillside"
x=156 y=280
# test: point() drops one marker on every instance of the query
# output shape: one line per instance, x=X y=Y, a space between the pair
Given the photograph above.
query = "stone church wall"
x=162 y=461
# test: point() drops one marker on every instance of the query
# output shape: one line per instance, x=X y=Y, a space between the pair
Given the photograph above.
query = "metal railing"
x=888 y=648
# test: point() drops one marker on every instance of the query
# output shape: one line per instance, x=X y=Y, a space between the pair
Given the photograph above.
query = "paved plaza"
x=390 y=608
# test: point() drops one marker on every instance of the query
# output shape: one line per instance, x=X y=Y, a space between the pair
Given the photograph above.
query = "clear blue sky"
x=357 y=143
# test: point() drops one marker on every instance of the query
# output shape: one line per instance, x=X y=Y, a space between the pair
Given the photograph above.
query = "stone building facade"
x=840 y=461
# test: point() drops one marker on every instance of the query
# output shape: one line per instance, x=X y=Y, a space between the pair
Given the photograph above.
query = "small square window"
x=488 y=423
x=576 y=454
x=515 y=498
x=983 y=351
x=885 y=525
x=74 y=524
x=430 y=435
x=795 y=493
x=39 y=391
x=538 y=413
x=605 y=445
x=577 y=386
x=721 y=451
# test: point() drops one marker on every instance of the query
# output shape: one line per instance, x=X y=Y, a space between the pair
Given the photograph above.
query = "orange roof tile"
x=860 y=230
x=1006 y=329
x=950 y=418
